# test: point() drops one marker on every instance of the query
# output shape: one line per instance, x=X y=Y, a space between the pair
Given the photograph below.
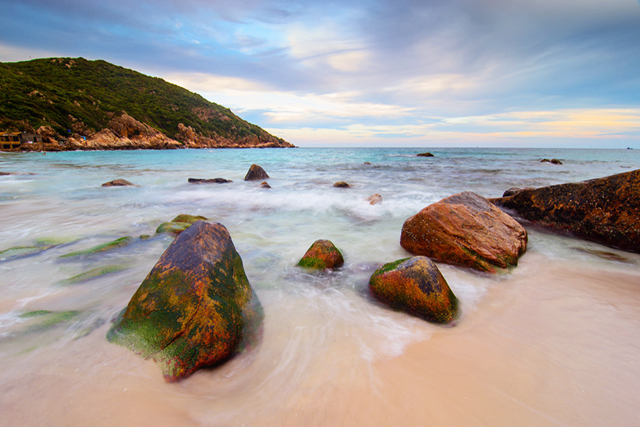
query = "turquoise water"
x=309 y=318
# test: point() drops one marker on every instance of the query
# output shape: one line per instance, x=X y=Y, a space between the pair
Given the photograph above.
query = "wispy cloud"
x=397 y=71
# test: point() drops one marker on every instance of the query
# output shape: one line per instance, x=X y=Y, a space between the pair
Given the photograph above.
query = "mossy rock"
x=39 y=246
x=188 y=218
x=93 y=274
x=192 y=309
x=322 y=255
x=172 y=227
x=105 y=247
x=415 y=286
x=46 y=319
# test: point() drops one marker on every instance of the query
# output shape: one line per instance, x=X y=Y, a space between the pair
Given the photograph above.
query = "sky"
x=405 y=73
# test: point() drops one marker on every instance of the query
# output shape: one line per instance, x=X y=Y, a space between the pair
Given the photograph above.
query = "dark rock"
x=321 y=255
x=265 y=184
x=465 y=230
x=367 y=163
x=374 y=199
x=341 y=184
x=209 y=181
x=255 y=173
x=118 y=183
x=425 y=155
x=553 y=161
x=416 y=286
x=513 y=190
x=194 y=306
x=605 y=210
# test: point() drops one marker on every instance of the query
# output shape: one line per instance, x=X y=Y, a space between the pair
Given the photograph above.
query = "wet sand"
x=553 y=344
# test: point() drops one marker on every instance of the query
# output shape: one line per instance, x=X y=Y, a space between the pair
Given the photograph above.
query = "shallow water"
x=326 y=342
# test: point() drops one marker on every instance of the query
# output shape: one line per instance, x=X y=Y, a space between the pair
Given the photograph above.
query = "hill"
x=74 y=103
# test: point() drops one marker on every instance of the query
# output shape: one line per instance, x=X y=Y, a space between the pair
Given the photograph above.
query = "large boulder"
x=605 y=210
x=191 y=310
x=465 y=230
x=255 y=173
x=416 y=286
x=322 y=255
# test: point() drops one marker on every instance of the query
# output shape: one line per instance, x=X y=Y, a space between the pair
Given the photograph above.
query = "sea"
x=554 y=341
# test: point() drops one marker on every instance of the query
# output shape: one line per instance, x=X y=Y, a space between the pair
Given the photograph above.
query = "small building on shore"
x=11 y=141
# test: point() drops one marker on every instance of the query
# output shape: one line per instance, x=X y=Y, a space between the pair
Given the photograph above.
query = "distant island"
x=60 y=104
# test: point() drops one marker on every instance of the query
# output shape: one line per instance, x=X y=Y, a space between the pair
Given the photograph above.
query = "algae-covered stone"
x=178 y=224
x=93 y=274
x=39 y=246
x=46 y=318
x=321 y=255
x=115 y=244
x=192 y=308
x=416 y=286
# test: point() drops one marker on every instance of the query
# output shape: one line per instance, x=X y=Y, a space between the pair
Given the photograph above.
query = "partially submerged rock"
x=374 y=199
x=424 y=155
x=118 y=183
x=209 y=181
x=25 y=251
x=264 y=184
x=341 y=184
x=191 y=310
x=465 y=230
x=605 y=210
x=255 y=173
x=322 y=255
x=115 y=244
x=178 y=224
x=94 y=273
x=416 y=286
x=552 y=161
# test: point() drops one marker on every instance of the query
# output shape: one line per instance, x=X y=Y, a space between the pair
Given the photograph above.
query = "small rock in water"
x=552 y=161
x=374 y=199
x=115 y=244
x=322 y=255
x=209 y=181
x=416 y=286
x=367 y=163
x=255 y=173
x=118 y=183
x=265 y=184
x=425 y=155
x=178 y=224
x=341 y=184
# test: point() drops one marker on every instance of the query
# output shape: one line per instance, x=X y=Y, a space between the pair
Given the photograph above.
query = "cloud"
x=368 y=68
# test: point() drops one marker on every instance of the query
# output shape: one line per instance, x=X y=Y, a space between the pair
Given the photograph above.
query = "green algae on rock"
x=118 y=243
x=194 y=306
x=94 y=273
x=415 y=286
x=178 y=224
x=322 y=255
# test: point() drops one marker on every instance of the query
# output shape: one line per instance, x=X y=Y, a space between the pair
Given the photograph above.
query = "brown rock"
x=193 y=308
x=425 y=155
x=208 y=181
x=341 y=184
x=265 y=184
x=465 y=230
x=416 y=286
x=513 y=190
x=605 y=210
x=322 y=255
x=118 y=183
x=374 y=199
x=255 y=173
x=367 y=163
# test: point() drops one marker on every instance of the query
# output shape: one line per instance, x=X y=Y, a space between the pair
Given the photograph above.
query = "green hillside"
x=82 y=96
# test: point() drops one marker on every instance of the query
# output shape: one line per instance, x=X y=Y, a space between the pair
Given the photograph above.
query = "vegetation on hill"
x=77 y=96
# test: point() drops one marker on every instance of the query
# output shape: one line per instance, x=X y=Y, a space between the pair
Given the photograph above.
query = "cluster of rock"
x=124 y=132
x=196 y=306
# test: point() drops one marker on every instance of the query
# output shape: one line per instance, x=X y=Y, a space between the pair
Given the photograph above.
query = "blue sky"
x=520 y=73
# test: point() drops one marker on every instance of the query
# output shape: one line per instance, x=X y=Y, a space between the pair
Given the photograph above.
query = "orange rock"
x=321 y=255
x=465 y=230
x=605 y=210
